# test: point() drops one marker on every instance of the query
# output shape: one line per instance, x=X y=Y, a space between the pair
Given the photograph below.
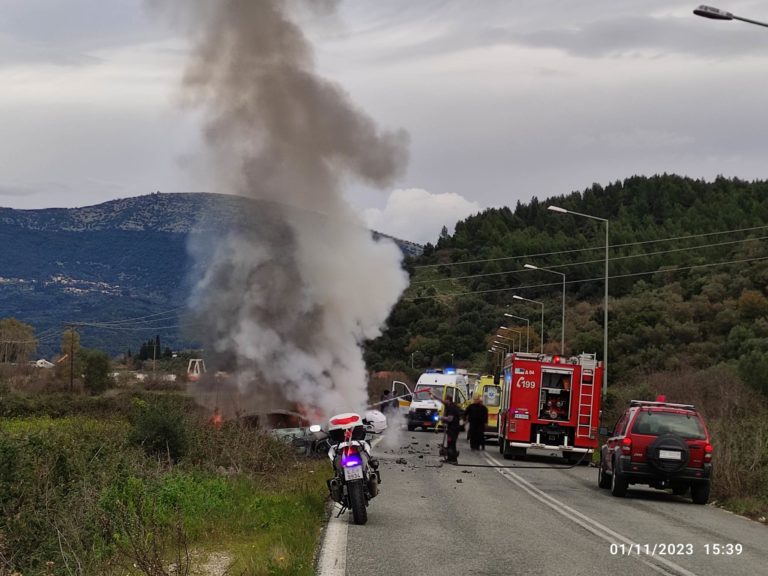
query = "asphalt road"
x=433 y=519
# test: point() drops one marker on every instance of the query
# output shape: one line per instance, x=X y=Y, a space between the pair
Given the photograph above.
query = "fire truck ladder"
x=586 y=395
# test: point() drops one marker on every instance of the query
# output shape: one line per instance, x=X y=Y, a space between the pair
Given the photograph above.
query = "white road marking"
x=333 y=554
x=583 y=520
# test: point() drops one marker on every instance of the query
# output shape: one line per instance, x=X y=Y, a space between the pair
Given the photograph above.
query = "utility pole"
x=71 y=358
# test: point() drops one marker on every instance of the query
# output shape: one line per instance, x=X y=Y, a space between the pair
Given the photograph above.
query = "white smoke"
x=298 y=284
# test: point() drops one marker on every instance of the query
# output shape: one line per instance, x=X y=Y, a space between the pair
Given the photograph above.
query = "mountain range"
x=121 y=259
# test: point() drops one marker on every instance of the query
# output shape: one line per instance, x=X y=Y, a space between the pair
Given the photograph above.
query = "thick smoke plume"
x=295 y=288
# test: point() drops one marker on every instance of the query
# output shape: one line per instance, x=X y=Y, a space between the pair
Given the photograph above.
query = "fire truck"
x=550 y=403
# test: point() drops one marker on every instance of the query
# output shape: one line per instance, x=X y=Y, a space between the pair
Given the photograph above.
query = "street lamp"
x=507 y=347
x=412 y=353
x=605 y=303
x=511 y=346
x=519 y=337
x=527 y=329
x=717 y=14
x=516 y=297
x=562 y=330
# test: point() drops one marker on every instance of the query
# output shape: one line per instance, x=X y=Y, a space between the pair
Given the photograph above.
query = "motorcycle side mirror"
x=315 y=428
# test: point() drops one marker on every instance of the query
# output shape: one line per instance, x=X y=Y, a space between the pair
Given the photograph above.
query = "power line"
x=611 y=246
x=164 y=315
x=600 y=261
x=103 y=326
x=597 y=279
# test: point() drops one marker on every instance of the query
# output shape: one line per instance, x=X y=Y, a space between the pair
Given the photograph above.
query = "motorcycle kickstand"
x=341 y=511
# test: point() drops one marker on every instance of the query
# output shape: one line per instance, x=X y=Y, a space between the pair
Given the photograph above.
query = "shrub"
x=160 y=428
x=96 y=378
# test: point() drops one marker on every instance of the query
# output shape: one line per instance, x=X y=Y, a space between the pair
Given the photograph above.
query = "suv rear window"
x=658 y=423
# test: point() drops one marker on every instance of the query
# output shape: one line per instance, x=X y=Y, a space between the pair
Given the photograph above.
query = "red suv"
x=660 y=444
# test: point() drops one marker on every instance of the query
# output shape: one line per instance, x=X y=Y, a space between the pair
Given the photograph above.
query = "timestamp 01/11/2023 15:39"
x=676 y=549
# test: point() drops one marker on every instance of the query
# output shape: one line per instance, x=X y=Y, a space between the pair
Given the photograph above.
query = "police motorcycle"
x=356 y=476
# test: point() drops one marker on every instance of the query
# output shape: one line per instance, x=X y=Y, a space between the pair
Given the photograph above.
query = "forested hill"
x=688 y=277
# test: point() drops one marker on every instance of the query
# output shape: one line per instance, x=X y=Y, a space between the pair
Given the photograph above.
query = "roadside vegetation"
x=142 y=483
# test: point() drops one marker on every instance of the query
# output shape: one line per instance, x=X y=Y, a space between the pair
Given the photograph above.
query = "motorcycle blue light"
x=351 y=460
x=436 y=417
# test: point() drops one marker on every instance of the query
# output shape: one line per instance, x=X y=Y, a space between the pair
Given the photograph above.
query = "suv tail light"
x=708 y=453
x=626 y=445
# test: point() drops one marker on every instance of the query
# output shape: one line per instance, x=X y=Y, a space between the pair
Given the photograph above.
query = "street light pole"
x=507 y=347
x=605 y=302
x=562 y=321
x=502 y=354
x=527 y=329
x=495 y=353
x=516 y=297
x=512 y=340
x=717 y=14
x=519 y=337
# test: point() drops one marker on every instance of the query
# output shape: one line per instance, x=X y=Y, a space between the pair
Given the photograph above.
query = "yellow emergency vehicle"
x=491 y=395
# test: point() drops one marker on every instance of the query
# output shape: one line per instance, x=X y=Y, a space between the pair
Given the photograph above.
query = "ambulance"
x=423 y=407
x=489 y=389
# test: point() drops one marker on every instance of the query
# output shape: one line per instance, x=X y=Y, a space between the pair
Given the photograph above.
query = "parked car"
x=660 y=444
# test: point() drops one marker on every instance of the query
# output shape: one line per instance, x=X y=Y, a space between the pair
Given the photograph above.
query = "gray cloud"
x=65 y=33
x=12 y=190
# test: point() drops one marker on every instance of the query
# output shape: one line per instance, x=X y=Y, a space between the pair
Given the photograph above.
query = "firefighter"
x=477 y=417
x=452 y=417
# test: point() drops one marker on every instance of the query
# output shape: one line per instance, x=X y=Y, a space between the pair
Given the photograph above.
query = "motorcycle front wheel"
x=357 y=502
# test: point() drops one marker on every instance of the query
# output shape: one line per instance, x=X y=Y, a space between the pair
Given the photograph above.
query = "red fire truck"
x=551 y=403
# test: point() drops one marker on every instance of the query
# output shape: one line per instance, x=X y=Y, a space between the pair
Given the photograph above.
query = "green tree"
x=17 y=341
x=753 y=370
x=752 y=304
x=96 y=368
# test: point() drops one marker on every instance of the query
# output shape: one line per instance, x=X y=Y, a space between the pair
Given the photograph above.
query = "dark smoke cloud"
x=299 y=284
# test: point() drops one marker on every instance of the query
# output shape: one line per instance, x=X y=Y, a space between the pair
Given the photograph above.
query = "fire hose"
x=568 y=467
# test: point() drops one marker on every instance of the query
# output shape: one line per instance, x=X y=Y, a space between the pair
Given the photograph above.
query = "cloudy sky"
x=503 y=100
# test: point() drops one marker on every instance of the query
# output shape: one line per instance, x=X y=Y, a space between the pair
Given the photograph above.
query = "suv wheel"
x=603 y=479
x=700 y=492
x=669 y=443
x=619 y=483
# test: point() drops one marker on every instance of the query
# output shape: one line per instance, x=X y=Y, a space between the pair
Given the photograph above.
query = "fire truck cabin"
x=550 y=403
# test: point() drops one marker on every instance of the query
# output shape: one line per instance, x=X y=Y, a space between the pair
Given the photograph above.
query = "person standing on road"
x=477 y=418
x=452 y=417
x=385 y=404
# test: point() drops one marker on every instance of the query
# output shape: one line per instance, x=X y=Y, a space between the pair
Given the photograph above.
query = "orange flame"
x=217 y=419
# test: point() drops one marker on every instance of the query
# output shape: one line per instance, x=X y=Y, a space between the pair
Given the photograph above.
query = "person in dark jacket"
x=452 y=418
x=477 y=417
x=385 y=404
